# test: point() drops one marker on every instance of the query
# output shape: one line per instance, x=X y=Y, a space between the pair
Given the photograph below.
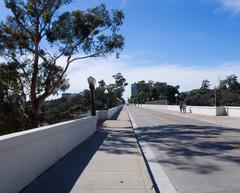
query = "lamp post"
x=176 y=97
x=92 y=82
x=215 y=90
x=106 y=92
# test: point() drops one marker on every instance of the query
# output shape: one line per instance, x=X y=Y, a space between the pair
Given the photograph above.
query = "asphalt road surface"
x=198 y=157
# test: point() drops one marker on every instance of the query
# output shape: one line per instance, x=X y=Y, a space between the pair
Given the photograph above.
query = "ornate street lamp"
x=106 y=93
x=92 y=82
x=176 y=98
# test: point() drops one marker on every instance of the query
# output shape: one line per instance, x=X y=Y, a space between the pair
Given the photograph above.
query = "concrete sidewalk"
x=109 y=162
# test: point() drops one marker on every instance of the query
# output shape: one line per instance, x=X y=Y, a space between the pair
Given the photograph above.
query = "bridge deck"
x=197 y=156
x=109 y=162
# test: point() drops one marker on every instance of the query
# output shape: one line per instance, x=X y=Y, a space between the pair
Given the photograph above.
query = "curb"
x=161 y=181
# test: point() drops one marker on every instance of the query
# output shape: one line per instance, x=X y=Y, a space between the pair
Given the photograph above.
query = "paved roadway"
x=198 y=157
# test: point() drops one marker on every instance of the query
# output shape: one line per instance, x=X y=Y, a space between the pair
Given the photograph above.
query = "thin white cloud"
x=231 y=5
x=174 y=74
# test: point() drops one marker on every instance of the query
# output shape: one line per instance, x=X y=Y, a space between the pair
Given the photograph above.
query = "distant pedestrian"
x=184 y=108
x=181 y=106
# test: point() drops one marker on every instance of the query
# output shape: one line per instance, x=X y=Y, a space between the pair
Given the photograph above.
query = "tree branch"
x=20 y=23
x=51 y=89
x=85 y=57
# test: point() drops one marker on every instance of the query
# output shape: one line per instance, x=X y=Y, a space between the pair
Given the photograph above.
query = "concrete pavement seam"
x=160 y=178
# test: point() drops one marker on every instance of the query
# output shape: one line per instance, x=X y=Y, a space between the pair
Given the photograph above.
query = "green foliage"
x=198 y=97
x=120 y=83
x=106 y=96
x=62 y=109
x=227 y=94
x=205 y=85
x=230 y=84
x=150 y=91
x=13 y=115
x=36 y=36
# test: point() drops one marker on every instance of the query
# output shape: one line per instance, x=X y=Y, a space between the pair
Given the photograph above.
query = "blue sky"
x=177 y=41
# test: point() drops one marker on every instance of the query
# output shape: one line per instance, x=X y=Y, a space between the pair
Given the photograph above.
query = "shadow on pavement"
x=120 y=142
x=61 y=177
x=184 y=146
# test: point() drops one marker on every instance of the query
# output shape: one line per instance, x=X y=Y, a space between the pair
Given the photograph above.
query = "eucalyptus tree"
x=12 y=111
x=120 y=84
x=43 y=42
x=205 y=85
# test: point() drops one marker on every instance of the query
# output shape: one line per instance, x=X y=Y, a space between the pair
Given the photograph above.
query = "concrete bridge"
x=142 y=150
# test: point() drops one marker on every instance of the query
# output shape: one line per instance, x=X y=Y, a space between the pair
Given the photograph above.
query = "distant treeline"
x=154 y=91
x=227 y=92
x=16 y=115
x=106 y=96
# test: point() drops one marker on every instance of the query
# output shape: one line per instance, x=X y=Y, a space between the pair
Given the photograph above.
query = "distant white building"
x=67 y=95
x=134 y=89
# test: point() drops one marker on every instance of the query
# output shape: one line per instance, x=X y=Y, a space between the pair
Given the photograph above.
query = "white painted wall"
x=233 y=111
x=102 y=115
x=161 y=107
x=113 y=111
x=25 y=155
x=154 y=107
x=108 y=114
x=173 y=108
x=202 y=110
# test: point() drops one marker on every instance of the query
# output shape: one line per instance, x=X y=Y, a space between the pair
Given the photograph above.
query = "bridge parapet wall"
x=26 y=155
x=202 y=110
x=232 y=111
x=108 y=114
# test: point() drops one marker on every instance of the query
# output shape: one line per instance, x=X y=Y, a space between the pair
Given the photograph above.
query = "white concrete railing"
x=25 y=155
x=113 y=111
x=206 y=110
x=232 y=111
x=102 y=115
x=108 y=114
x=203 y=110
x=160 y=107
